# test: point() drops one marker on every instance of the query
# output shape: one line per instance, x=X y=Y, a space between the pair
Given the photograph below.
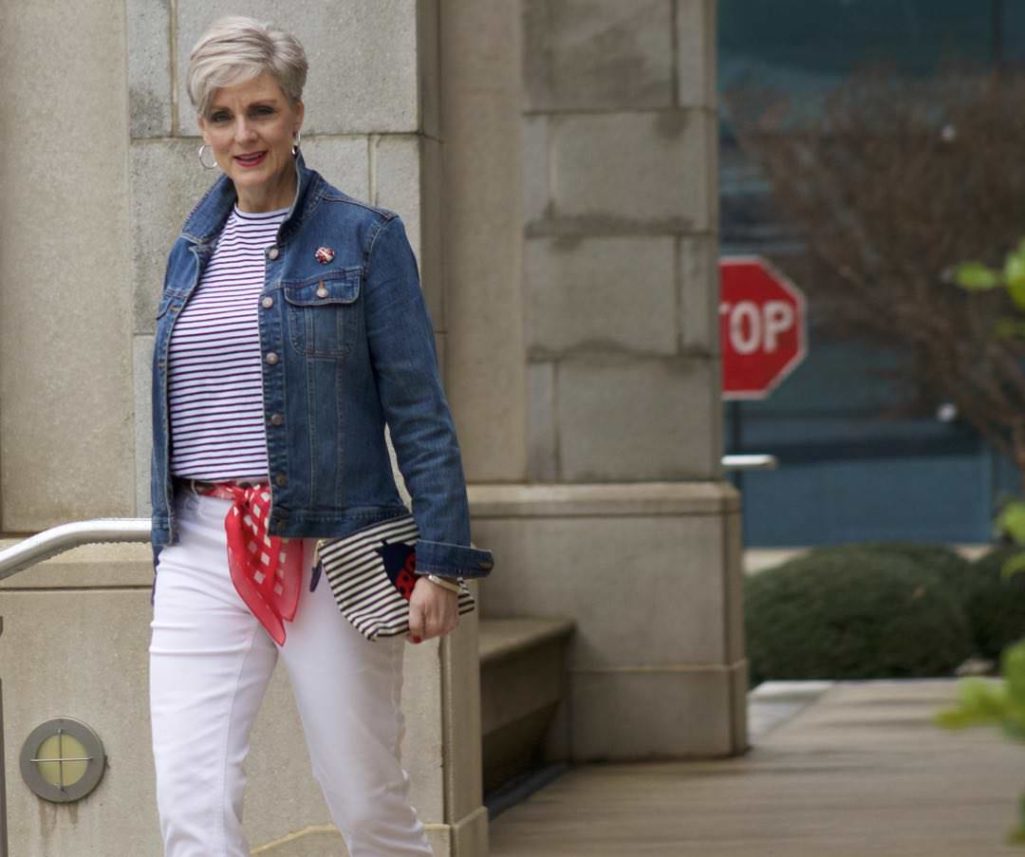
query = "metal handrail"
x=64 y=537
x=750 y=461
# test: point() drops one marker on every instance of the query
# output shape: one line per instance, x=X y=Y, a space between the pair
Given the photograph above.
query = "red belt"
x=266 y=570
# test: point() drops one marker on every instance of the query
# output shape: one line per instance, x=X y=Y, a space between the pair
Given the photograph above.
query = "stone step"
x=523 y=685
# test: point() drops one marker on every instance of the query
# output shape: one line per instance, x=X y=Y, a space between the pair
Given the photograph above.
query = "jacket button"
x=277 y=419
x=322 y=291
x=281 y=480
x=267 y=302
x=273 y=253
x=271 y=358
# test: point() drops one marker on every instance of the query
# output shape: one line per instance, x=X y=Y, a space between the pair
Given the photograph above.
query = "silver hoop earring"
x=295 y=142
x=206 y=166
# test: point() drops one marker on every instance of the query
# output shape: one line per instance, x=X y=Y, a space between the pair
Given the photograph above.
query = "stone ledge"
x=501 y=638
x=643 y=499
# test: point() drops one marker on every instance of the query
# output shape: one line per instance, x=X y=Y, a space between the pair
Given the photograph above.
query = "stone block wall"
x=620 y=219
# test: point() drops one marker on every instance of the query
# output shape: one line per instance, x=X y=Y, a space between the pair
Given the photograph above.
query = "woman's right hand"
x=433 y=611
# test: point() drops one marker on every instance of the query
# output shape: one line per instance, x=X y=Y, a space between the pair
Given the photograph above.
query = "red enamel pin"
x=324 y=255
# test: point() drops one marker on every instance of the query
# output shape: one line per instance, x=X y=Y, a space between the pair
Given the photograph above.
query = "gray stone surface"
x=542 y=450
x=362 y=54
x=733 y=577
x=598 y=54
x=657 y=714
x=601 y=185
x=395 y=181
x=671 y=563
x=428 y=51
x=695 y=52
x=698 y=267
x=432 y=230
x=461 y=701
x=485 y=368
x=172 y=167
x=342 y=161
x=521 y=687
x=535 y=167
x=142 y=385
x=613 y=294
x=65 y=318
x=149 y=67
x=637 y=419
x=423 y=748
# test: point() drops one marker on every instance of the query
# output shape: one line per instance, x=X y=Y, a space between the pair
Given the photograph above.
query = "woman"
x=290 y=331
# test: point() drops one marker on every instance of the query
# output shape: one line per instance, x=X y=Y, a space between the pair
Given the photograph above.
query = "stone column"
x=65 y=319
x=626 y=526
x=481 y=101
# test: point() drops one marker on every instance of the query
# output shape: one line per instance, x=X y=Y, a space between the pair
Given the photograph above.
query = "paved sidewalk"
x=852 y=769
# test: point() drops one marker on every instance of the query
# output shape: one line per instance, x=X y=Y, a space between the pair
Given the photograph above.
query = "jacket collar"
x=207 y=219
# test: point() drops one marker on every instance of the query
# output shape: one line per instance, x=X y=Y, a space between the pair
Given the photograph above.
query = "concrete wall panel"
x=636 y=419
x=65 y=318
x=149 y=67
x=674 y=617
x=587 y=54
x=363 y=59
x=617 y=294
x=342 y=161
x=658 y=714
x=543 y=442
x=485 y=371
x=142 y=383
x=535 y=168
x=603 y=184
x=698 y=270
x=695 y=49
x=172 y=166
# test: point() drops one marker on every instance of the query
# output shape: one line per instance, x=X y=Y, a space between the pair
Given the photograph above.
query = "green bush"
x=947 y=564
x=995 y=605
x=852 y=612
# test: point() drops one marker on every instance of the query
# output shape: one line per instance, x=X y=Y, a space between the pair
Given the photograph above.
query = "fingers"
x=433 y=611
x=417 y=621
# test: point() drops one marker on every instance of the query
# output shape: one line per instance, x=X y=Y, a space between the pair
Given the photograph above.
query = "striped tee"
x=215 y=390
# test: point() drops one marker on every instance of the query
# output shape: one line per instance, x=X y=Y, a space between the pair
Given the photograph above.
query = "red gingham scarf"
x=266 y=570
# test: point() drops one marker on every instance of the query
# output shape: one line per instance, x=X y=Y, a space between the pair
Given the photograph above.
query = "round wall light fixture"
x=62 y=760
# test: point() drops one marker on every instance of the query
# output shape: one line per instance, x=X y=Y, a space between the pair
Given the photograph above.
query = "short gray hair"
x=236 y=49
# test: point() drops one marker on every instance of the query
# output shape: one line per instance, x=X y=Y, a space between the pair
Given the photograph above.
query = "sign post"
x=761 y=327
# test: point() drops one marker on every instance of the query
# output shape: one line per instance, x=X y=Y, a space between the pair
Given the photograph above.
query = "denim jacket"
x=348 y=348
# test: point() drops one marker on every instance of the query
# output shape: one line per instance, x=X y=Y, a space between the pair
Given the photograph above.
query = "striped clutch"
x=372 y=573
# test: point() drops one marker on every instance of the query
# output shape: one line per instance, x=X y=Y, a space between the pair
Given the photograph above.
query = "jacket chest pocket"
x=323 y=315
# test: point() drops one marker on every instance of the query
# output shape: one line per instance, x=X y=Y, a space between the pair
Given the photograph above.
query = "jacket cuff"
x=448 y=560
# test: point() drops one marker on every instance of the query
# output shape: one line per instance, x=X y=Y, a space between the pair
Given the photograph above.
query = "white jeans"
x=210 y=661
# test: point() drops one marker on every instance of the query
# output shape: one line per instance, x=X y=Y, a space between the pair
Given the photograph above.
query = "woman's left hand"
x=433 y=611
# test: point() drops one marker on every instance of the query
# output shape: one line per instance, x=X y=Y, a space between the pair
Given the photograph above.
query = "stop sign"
x=761 y=327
